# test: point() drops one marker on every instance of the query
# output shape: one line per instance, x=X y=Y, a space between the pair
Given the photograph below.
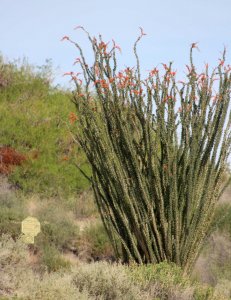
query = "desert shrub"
x=168 y=274
x=159 y=282
x=222 y=219
x=97 y=280
x=105 y=281
x=19 y=282
x=52 y=260
x=83 y=206
x=57 y=228
x=94 y=243
x=167 y=281
x=13 y=264
x=60 y=233
x=162 y=281
x=55 y=286
x=12 y=212
x=204 y=293
x=223 y=289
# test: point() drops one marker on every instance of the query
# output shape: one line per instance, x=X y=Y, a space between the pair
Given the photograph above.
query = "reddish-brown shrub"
x=9 y=157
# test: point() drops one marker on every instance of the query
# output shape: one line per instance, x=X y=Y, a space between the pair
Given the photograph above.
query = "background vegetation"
x=33 y=119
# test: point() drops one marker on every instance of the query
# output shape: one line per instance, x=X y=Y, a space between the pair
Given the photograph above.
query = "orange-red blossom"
x=169 y=98
x=102 y=83
x=72 y=118
x=65 y=38
x=137 y=92
x=154 y=72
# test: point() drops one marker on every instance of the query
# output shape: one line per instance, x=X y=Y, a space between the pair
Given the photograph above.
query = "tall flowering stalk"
x=158 y=151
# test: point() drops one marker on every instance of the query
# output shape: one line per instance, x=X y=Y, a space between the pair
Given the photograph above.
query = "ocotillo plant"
x=158 y=149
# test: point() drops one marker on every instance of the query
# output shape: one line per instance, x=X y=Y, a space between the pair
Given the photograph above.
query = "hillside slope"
x=34 y=120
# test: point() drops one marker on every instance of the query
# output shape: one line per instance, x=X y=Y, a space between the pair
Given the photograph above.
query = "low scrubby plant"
x=83 y=206
x=52 y=260
x=55 y=286
x=168 y=274
x=12 y=212
x=94 y=243
x=60 y=234
x=162 y=281
x=222 y=219
x=19 y=281
x=223 y=289
x=96 y=280
x=57 y=226
x=105 y=281
x=13 y=264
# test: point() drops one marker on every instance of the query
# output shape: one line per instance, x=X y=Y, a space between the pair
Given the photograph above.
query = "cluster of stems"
x=158 y=149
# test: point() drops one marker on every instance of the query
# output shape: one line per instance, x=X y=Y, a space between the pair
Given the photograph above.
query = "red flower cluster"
x=103 y=83
x=137 y=92
x=103 y=46
x=72 y=118
x=167 y=98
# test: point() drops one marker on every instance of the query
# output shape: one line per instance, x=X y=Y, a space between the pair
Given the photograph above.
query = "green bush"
x=204 y=293
x=60 y=234
x=95 y=243
x=158 y=282
x=13 y=265
x=84 y=205
x=165 y=273
x=52 y=260
x=167 y=281
x=222 y=218
x=162 y=281
x=105 y=281
x=95 y=281
x=19 y=282
x=55 y=286
x=57 y=227
x=34 y=121
x=12 y=212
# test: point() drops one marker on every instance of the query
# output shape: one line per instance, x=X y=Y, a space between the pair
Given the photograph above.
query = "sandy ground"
x=226 y=197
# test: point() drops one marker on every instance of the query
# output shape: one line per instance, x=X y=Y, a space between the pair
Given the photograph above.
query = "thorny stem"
x=157 y=169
